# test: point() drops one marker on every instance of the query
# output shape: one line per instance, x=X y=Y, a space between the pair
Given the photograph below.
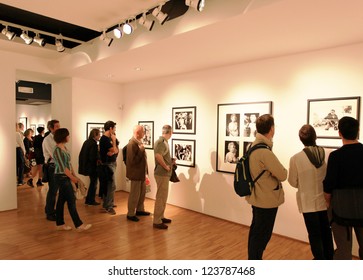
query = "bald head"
x=139 y=132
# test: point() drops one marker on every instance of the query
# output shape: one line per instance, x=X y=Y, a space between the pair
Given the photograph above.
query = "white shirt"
x=20 y=141
x=49 y=147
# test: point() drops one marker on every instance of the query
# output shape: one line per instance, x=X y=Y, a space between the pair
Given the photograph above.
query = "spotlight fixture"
x=10 y=35
x=40 y=41
x=129 y=27
x=27 y=39
x=147 y=23
x=117 y=32
x=106 y=39
x=159 y=15
x=196 y=4
x=59 y=45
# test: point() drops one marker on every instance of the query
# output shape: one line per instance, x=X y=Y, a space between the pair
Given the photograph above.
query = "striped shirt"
x=62 y=160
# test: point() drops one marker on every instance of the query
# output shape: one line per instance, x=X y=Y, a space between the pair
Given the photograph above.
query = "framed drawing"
x=34 y=128
x=183 y=151
x=91 y=126
x=184 y=120
x=324 y=114
x=148 y=139
x=236 y=130
x=24 y=121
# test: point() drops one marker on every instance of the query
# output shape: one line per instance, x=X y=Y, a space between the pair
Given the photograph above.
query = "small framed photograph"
x=236 y=130
x=148 y=139
x=24 y=121
x=184 y=120
x=34 y=128
x=184 y=152
x=91 y=126
x=324 y=114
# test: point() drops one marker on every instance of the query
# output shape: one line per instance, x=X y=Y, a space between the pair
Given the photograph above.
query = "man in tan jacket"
x=267 y=193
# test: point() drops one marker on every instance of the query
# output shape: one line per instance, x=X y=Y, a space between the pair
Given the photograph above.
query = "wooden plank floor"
x=25 y=234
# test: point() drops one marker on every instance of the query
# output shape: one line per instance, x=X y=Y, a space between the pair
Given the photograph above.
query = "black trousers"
x=263 y=221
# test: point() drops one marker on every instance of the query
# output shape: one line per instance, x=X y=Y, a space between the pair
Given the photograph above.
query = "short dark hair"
x=52 y=123
x=264 y=123
x=27 y=132
x=60 y=135
x=166 y=129
x=40 y=129
x=108 y=125
x=307 y=135
x=348 y=128
x=94 y=132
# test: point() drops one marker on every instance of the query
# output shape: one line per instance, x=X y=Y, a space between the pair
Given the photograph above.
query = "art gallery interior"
x=286 y=52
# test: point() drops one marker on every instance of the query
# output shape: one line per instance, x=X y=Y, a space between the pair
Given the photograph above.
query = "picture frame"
x=324 y=114
x=236 y=130
x=24 y=121
x=184 y=120
x=148 y=139
x=184 y=152
x=92 y=125
x=34 y=128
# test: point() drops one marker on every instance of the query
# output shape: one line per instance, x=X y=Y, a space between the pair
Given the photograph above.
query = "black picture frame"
x=24 y=121
x=183 y=150
x=148 y=139
x=92 y=125
x=324 y=114
x=184 y=120
x=236 y=130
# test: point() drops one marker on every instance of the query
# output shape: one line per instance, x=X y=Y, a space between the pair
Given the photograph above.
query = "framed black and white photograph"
x=34 y=128
x=183 y=151
x=324 y=114
x=24 y=121
x=236 y=129
x=148 y=139
x=91 y=126
x=184 y=120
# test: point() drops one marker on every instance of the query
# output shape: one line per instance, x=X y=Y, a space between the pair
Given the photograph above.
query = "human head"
x=61 y=135
x=348 y=128
x=109 y=125
x=264 y=124
x=253 y=118
x=167 y=131
x=233 y=117
x=40 y=129
x=231 y=146
x=94 y=134
x=53 y=125
x=28 y=132
x=21 y=126
x=138 y=132
x=307 y=135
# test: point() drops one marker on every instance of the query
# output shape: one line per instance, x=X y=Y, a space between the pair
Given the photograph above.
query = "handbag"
x=80 y=189
x=174 y=178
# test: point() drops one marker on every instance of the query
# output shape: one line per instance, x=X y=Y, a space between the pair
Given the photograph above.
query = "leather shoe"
x=51 y=217
x=133 y=218
x=160 y=226
x=142 y=213
x=93 y=203
x=166 y=221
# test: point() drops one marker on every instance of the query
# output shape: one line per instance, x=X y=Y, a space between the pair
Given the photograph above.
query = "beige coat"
x=268 y=192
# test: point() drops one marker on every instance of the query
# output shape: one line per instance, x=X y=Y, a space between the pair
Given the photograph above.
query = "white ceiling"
x=259 y=29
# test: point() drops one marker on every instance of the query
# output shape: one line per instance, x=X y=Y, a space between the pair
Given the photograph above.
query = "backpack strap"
x=250 y=150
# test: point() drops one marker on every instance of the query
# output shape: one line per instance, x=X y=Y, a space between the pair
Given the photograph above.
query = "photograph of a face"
x=148 y=139
x=184 y=119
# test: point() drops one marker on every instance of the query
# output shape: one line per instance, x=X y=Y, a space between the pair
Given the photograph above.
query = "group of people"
x=322 y=190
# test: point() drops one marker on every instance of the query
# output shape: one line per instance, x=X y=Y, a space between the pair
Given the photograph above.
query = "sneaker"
x=133 y=218
x=160 y=226
x=20 y=183
x=111 y=211
x=166 y=221
x=142 y=213
x=64 y=227
x=30 y=183
x=84 y=227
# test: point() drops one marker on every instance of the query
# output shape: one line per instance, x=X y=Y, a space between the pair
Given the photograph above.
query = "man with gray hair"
x=162 y=173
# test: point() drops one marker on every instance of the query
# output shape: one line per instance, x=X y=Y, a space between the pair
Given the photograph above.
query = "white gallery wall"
x=286 y=81
x=35 y=114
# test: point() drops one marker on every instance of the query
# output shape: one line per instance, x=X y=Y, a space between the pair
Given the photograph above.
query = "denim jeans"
x=52 y=192
x=92 y=189
x=108 y=198
x=66 y=194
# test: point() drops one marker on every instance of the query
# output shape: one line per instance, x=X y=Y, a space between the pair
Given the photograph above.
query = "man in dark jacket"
x=136 y=170
x=87 y=164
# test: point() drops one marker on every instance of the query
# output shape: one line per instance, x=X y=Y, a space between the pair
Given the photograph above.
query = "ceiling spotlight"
x=129 y=27
x=117 y=32
x=27 y=39
x=106 y=39
x=39 y=41
x=160 y=16
x=147 y=23
x=10 y=35
x=59 y=45
x=196 y=4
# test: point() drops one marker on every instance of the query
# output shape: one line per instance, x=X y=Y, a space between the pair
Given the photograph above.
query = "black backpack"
x=124 y=155
x=243 y=182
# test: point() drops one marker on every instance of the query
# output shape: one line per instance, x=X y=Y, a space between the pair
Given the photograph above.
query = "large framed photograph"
x=148 y=139
x=236 y=125
x=184 y=152
x=184 y=120
x=324 y=114
x=91 y=126
x=24 y=121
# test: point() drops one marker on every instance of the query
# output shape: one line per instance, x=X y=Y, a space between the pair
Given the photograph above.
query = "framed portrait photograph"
x=236 y=130
x=184 y=120
x=184 y=152
x=91 y=126
x=324 y=114
x=34 y=128
x=24 y=121
x=148 y=139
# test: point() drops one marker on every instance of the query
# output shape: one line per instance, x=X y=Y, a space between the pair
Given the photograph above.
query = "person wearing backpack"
x=306 y=173
x=343 y=188
x=267 y=194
